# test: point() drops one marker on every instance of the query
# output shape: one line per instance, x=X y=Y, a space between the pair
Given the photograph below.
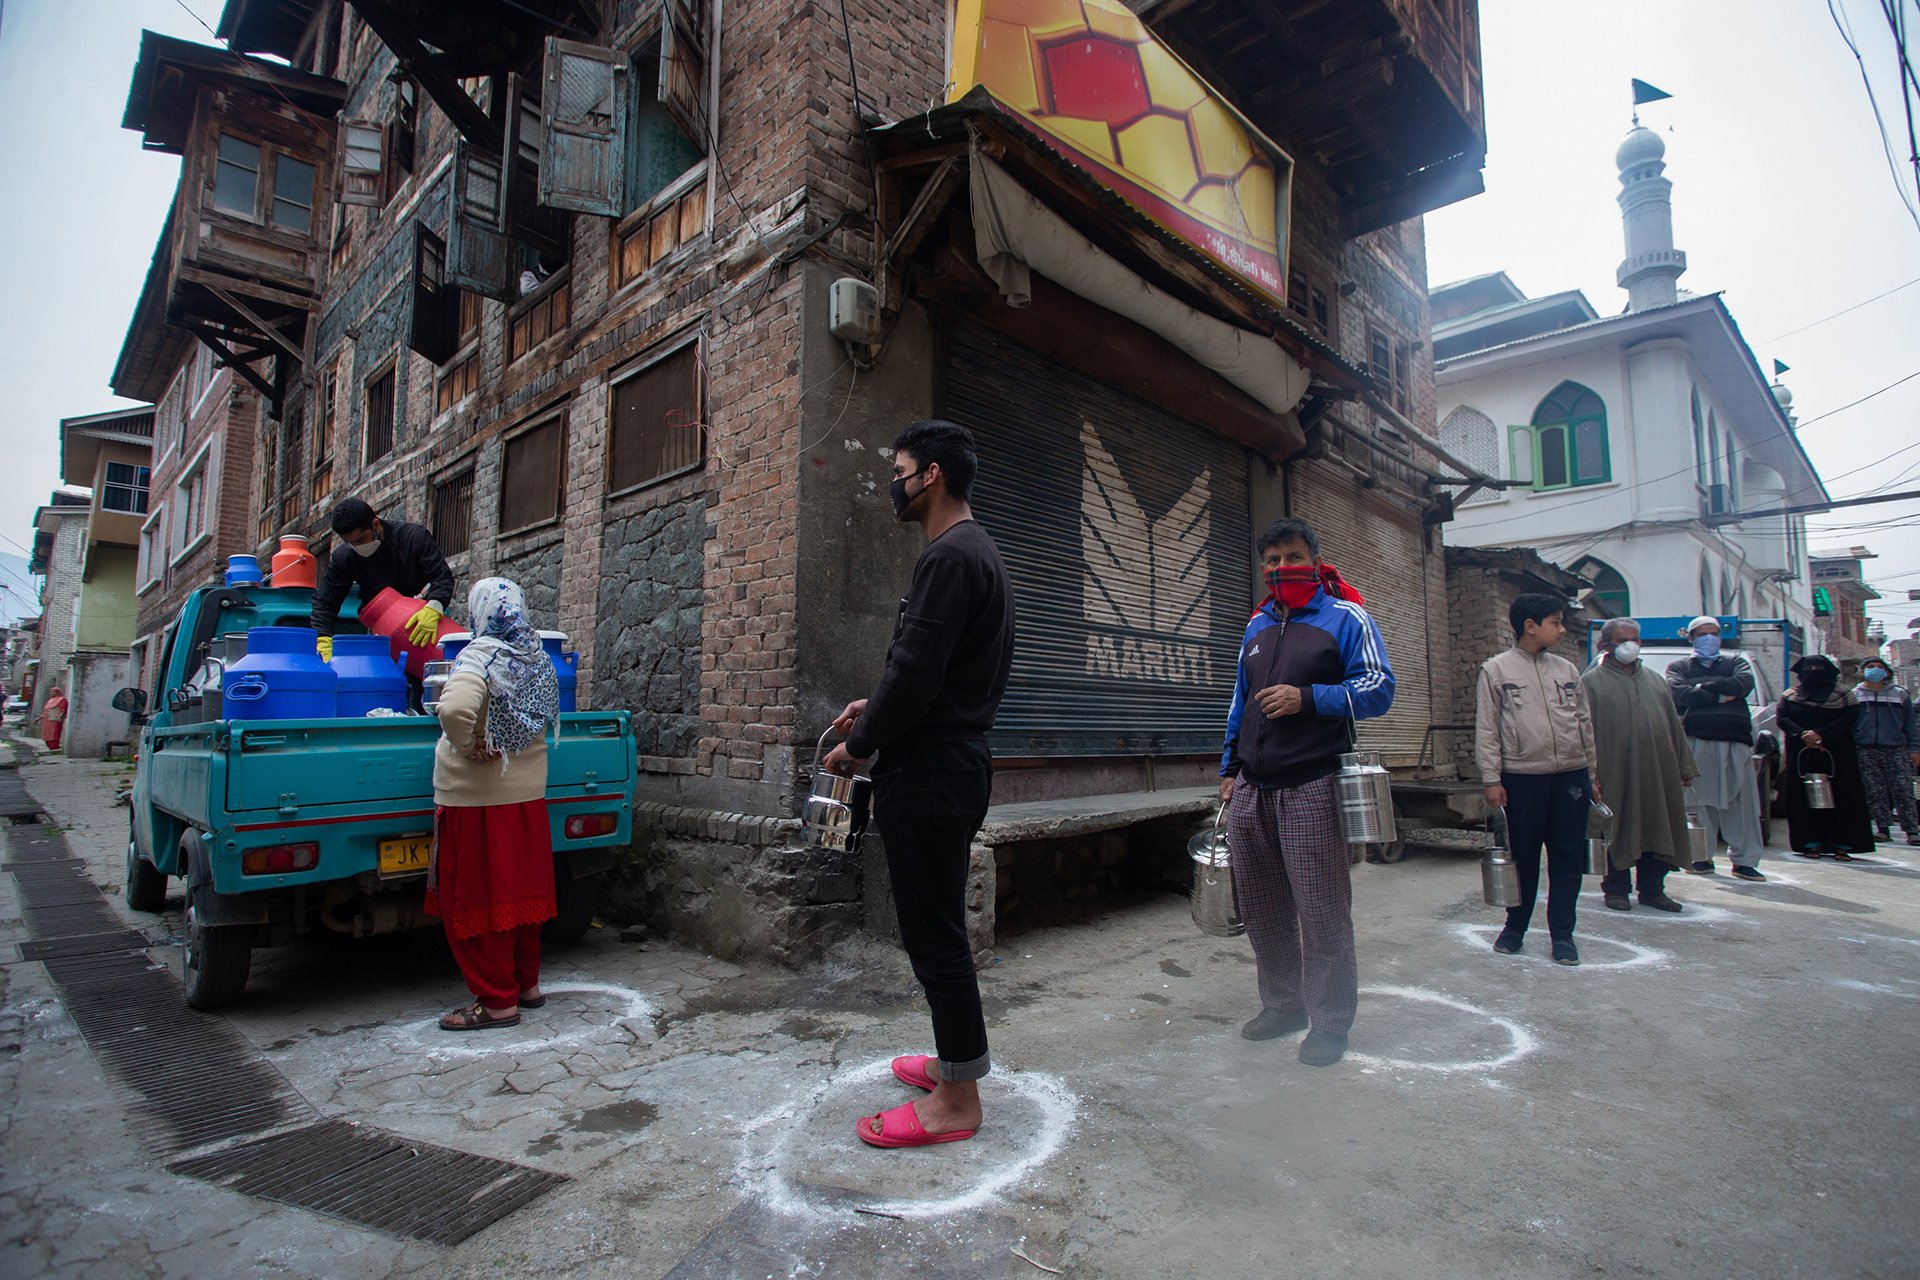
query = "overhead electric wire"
x=1886 y=146
x=1767 y=342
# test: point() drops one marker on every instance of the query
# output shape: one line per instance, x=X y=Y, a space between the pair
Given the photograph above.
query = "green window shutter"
x=1520 y=455
x=1555 y=456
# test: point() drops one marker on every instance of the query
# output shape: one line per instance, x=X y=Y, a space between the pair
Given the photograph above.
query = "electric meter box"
x=853 y=311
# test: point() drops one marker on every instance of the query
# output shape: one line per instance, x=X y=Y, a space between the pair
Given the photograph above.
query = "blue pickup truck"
x=280 y=827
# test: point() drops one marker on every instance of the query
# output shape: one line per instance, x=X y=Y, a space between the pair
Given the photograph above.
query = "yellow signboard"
x=1097 y=86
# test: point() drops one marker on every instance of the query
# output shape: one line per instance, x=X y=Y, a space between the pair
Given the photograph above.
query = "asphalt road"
x=1726 y=1092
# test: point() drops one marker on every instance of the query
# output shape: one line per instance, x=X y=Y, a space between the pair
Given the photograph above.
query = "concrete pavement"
x=1725 y=1092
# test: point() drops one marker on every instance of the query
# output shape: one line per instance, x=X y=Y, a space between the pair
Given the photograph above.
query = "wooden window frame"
x=326 y=409
x=387 y=371
x=150 y=561
x=435 y=497
x=639 y=368
x=556 y=419
x=1312 y=297
x=460 y=376
x=266 y=189
x=203 y=467
x=521 y=322
x=135 y=488
x=660 y=230
x=1532 y=441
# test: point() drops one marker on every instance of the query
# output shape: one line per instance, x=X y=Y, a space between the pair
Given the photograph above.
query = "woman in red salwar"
x=491 y=877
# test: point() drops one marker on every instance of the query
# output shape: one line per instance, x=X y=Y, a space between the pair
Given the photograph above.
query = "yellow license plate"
x=405 y=855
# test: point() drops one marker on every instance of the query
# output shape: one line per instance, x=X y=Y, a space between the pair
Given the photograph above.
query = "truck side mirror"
x=132 y=701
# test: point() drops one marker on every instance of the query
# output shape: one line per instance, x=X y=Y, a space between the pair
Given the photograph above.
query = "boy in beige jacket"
x=1533 y=742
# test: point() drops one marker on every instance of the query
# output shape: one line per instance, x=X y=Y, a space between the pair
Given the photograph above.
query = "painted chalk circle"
x=575 y=1012
x=1519 y=1041
x=802 y=1159
x=1612 y=952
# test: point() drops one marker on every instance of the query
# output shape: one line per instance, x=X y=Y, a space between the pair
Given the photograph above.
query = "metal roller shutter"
x=1125 y=532
x=1379 y=547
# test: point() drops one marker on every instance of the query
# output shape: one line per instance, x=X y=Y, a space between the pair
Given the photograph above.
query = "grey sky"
x=1782 y=199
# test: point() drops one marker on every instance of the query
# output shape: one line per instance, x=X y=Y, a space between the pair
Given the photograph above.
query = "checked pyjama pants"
x=1293 y=887
x=1888 y=776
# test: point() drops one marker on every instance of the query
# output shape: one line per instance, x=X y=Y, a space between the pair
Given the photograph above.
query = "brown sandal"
x=474 y=1017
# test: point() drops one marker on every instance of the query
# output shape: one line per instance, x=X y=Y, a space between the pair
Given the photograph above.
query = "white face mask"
x=365 y=549
x=1627 y=651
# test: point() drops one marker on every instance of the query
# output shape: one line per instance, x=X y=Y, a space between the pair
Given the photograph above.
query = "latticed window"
x=380 y=415
x=530 y=477
x=656 y=427
x=1472 y=437
x=452 y=508
x=1566 y=444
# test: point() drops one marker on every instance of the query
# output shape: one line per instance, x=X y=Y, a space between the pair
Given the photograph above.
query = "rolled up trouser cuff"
x=961 y=1072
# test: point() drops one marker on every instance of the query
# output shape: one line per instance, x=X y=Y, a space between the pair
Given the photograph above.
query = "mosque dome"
x=1642 y=146
x=1782 y=396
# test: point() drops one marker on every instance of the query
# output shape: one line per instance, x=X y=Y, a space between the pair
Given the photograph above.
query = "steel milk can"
x=835 y=813
x=1819 y=785
x=1365 y=793
x=1499 y=877
x=1211 y=902
x=1599 y=834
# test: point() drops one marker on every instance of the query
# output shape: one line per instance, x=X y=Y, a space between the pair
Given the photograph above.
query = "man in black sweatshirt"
x=928 y=718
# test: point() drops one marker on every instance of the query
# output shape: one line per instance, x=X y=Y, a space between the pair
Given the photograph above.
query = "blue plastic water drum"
x=281 y=678
x=243 y=571
x=453 y=642
x=368 y=675
x=565 y=665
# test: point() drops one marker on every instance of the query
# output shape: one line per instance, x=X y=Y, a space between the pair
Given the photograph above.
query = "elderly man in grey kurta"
x=1645 y=766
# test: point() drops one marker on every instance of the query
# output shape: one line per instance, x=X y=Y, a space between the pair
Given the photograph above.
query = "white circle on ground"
x=1691 y=912
x=1874 y=988
x=1523 y=1041
x=765 y=1165
x=1540 y=950
x=622 y=1004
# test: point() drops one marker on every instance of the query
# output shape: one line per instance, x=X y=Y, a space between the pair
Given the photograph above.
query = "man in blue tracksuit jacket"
x=1311 y=663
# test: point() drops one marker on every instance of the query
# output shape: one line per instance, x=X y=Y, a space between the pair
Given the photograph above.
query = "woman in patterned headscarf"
x=491 y=879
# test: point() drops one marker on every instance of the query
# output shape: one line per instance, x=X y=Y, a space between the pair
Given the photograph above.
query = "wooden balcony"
x=1384 y=95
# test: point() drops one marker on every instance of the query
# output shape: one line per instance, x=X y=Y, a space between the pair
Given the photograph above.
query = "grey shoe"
x=1269 y=1023
x=1322 y=1048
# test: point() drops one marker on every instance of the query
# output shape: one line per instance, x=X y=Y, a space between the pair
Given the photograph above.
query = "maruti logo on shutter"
x=1144 y=575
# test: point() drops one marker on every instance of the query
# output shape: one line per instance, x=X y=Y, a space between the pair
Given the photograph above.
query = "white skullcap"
x=1702 y=621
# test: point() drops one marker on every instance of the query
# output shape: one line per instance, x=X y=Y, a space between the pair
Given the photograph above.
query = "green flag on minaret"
x=1643 y=93
x=1780 y=367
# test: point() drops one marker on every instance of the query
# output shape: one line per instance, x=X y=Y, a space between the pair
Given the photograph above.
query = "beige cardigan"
x=463 y=783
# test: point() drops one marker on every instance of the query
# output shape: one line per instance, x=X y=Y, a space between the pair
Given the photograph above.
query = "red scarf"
x=1328 y=579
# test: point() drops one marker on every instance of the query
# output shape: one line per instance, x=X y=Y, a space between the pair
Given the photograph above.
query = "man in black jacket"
x=1710 y=690
x=928 y=718
x=374 y=555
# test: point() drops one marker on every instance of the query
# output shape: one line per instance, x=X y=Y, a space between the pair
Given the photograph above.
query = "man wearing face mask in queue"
x=374 y=555
x=928 y=718
x=1888 y=738
x=1645 y=766
x=1311 y=663
x=1711 y=689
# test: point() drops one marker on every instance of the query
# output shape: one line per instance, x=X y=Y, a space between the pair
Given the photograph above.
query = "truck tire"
x=575 y=897
x=146 y=883
x=217 y=957
x=217 y=960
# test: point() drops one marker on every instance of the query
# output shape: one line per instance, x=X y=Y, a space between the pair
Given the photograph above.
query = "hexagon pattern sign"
x=1093 y=81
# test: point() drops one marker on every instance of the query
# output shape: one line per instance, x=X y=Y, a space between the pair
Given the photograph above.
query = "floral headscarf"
x=523 y=689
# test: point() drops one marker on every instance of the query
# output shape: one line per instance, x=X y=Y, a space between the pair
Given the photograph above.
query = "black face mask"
x=898 y=492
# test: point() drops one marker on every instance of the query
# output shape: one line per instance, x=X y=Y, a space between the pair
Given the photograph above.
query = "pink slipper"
x=915 y=1069
x=900 y=1127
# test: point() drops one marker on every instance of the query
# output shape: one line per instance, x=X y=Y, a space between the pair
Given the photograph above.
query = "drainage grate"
x=197 y=1079
x=376 y=1179
x=15 y=803
x=86 y=944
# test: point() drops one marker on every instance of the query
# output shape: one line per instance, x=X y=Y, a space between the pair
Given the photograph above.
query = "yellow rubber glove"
x=326 y=648
x=423 y=628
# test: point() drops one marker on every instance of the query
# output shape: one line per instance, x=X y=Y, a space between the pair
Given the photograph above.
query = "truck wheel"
x=217 y=959
x=1391 y=852
x=146 y=883
x=575 y=897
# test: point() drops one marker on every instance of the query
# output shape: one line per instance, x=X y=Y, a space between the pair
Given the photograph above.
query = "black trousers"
x=928 y=802
x=1652 y=873
x=1549 y=809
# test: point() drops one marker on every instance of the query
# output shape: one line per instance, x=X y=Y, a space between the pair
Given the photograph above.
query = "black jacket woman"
x=1816 y=719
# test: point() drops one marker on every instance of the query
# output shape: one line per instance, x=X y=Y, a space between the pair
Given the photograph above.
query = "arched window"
x=1565 y=446
x=1609 y=586
x=1471 y=436
x=1699 y=443
x=1729 y=587
x=1713 y=448
x=1706 y=586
